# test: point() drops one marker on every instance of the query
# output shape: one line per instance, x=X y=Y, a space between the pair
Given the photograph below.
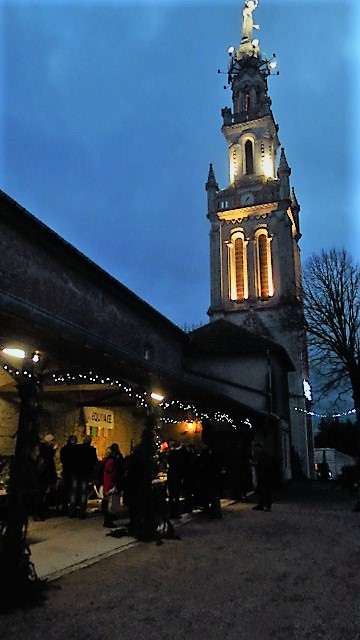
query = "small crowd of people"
x=81 y=473
x=79 y=465
x=196 y=476
x=193 y=479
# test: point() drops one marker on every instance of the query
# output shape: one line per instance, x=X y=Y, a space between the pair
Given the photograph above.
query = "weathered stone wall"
x=40 y=268
x=8 y=424
x=63 y=418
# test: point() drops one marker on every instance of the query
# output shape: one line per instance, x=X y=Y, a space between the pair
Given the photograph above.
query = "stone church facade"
x=255 y=230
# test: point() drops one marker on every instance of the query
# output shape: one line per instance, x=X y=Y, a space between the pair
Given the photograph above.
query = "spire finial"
x=211 y=181
x=247 y=19
x=283 y=164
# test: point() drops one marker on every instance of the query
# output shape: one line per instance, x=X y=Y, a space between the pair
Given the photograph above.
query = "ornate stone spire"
x=283 y=164
x=212 y=189
x=294 y=201
x=284 y=173
x=211 y=181
x=295 y=208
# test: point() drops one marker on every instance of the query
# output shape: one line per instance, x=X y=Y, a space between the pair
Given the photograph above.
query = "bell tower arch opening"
x=264 y=279
x=249 y=157
x=238 y=267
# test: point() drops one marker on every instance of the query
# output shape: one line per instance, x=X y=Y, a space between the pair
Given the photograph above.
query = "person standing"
x=175 y=474
x=46 y=474
x=211 y=481
x=262 y=462
x=29 y=481
x=85 y=461
x=190 y=477
x=113 y=480
x=67 y=459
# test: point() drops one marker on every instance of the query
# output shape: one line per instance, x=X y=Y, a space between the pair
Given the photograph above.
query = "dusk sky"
x=110 y=116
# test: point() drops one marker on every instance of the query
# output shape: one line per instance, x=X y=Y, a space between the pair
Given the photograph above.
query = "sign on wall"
x=98 y=418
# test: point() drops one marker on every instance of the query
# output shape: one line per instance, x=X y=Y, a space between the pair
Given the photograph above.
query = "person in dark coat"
x=46 y=474
x=85 y=461
x=190 y=480
x=175 y=475
x=29 y=482
x=261 y=460
x=211 y=481
x=134 y=484
x=68 y=461
x=113 y=480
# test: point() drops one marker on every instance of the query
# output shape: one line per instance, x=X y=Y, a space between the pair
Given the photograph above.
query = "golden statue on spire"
x=247 y=19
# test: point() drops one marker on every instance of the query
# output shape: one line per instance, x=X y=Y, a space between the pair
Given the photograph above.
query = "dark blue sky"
x=110 y=116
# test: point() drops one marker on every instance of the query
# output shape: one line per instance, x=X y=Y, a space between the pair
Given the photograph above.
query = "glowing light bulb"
x=16 y=353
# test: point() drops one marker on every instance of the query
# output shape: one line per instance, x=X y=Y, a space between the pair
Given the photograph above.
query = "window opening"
x=249 y=158
x=239 y=268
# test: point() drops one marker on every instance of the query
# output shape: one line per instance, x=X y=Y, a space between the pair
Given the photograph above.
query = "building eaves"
x=17 y=216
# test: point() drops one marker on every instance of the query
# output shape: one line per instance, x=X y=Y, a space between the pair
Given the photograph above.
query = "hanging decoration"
x=192 y=413
x=348 y=412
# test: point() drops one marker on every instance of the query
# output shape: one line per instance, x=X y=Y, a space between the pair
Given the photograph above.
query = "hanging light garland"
x=348 y=412
x=142 y=399
x=16 y=372
x=218 y=417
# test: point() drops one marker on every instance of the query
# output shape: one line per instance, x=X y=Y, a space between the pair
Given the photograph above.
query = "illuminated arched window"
x=249 y=157
x=238 y=275
x=239 y=267
x=265 y=286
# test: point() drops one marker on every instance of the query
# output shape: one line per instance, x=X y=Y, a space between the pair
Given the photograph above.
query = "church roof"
x=20 y=218
x=223 y=337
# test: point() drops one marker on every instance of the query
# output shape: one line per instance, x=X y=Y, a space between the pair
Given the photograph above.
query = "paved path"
x=291 y=574
x=60 y=545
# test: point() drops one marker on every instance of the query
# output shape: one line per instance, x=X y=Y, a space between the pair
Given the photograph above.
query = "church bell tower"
x=254 y=251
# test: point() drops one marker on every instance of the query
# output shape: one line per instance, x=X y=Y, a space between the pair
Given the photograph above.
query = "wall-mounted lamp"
x=20 y=354
x=156 y=396
x=14 y=353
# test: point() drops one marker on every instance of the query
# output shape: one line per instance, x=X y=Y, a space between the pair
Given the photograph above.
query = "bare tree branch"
x=331 y=284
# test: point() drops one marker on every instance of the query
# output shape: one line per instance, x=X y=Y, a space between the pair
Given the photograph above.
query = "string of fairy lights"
x=342 y=414
x=187 y=410
x=191 y=409
x=143 y=399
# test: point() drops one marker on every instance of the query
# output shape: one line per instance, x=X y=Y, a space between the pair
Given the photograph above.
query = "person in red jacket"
x=113 y=480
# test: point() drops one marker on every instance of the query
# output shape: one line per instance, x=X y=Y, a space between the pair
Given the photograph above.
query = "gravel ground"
x=292 y=573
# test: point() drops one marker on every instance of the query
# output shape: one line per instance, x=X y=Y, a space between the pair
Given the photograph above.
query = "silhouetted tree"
x=331 y=287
